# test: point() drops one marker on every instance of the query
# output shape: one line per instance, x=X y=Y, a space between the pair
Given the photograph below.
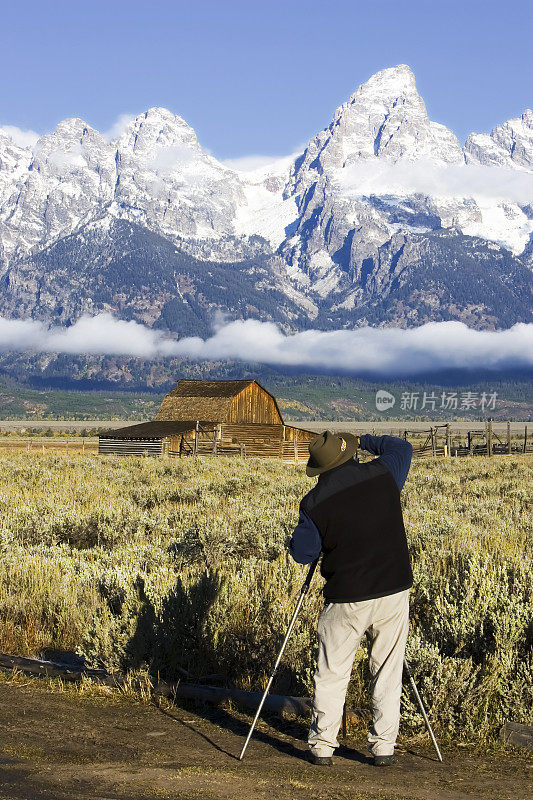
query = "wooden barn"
x=213 y=418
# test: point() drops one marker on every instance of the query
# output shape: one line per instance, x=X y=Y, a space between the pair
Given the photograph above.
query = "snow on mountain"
x=382 y=166
x=380 y=176
x=69 y=179
x=508 y=145
x=385 y=118
x=14 y=163
x=166 y=181
x=266 y=213
x=155 y=173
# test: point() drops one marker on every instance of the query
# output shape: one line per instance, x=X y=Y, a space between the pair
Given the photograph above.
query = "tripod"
x=303 y=591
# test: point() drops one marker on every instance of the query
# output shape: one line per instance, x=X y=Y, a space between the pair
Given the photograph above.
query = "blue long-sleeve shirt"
x=306 y=542
x=394 y=452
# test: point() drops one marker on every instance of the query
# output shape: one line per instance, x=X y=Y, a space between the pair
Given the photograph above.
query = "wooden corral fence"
x=276 y=441
x=440 y=441
x=42 y=445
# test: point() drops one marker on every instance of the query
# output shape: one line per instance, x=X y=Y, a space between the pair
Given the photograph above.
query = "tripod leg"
x=303 y=592
x=344 y=722
x=422 y=709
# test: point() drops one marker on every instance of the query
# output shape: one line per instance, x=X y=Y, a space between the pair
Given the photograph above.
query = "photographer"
x=353 y=516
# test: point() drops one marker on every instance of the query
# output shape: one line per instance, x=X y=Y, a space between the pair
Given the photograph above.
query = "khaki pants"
x=341 y=627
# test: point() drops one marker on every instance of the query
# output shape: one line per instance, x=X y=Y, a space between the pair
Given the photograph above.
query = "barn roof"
x=151 y=430
x=186 y=388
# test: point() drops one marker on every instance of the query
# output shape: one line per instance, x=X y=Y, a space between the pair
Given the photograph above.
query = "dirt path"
x=65 y=747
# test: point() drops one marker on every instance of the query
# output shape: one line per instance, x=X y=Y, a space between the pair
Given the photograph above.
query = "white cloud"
x=380 y=351
x=249 y=163
x=254 y=163
x=375 y=350
x=118 y=127
x=99 y=335
x=168 y=159
x=67 y=160
x=22 y=137
x=376 y=176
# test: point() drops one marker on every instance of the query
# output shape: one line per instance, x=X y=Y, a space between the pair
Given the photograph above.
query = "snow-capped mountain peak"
x=167 y=181
x=384 y=118
x=70 y=176
x=508 y=145
x=380 y=180
x=156 y=128
x=73 y=147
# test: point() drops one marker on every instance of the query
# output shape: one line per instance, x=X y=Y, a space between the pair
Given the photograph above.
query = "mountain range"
x=384 y=219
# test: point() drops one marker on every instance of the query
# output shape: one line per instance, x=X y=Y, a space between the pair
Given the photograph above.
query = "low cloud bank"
x=377 y=176
x=381 y=351
x=98 y=335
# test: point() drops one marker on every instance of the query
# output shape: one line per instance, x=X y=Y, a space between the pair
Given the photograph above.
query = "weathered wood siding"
x=130 y=447
x=297 y=433
x=259 y=440
x=270 y=441
x=254 y=405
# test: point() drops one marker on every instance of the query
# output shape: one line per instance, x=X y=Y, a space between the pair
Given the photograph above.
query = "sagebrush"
x=136 y=562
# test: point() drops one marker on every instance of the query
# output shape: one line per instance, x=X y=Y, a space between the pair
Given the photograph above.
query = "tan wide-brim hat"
x=330 y=450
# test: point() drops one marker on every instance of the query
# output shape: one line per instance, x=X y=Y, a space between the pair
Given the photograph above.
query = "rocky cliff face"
x=383 y=219
x=382 y=168
x=508 y=145
x=166 y=182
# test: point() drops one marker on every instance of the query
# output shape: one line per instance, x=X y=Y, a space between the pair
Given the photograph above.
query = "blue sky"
x=259 y=77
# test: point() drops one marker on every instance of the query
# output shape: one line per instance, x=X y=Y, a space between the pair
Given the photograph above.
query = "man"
x=354 y=517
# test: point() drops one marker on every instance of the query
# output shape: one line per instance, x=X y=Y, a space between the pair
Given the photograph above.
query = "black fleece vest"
x=356 y=508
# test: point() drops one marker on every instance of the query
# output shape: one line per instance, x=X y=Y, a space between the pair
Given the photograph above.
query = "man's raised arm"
x=395 y=453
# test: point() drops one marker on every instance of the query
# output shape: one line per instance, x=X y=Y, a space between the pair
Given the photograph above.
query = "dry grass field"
x=151 y=565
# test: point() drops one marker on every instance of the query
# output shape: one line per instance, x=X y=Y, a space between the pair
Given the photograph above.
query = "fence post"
x=295 y=443
x=43 y=448
x=433 y=446
x=509 y=438
x=196 y=430
x=525 y=438
x=489 y=438
x=448 y=439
